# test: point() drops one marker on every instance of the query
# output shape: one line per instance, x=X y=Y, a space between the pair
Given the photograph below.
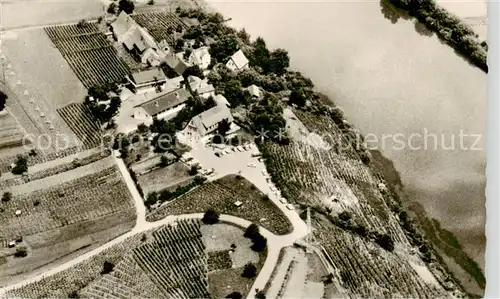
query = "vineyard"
x=221 y=195
x=367 y=271
x=87 y=198
x=176 y=261
x=158 y=24
x=333 y=181
x=81 y=121
x=91 y=56
x=78 y=162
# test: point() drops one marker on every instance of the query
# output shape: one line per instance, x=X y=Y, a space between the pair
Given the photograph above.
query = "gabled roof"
x=254 y=90
x=151 y=75
x=198 y=54
x=221 y=100
x=239 y=59
x=211 y=117
x=175 y=63
x=122 y=24
x=165 y=101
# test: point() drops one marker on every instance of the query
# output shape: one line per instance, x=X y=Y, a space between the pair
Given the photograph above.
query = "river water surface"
x=390 y=79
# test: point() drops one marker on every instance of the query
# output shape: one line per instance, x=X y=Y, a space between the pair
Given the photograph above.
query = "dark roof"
x=165 y=102
x=148 y=76
x=178 y=65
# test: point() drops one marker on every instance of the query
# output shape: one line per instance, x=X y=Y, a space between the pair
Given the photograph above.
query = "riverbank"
x=449 y=28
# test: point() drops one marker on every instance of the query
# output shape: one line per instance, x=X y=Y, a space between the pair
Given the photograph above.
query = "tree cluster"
x=210 y=217
x=127 y=6
x=259 y=241
x=166 y=195
x=103 y=106
x=21 y=165
x=267 y=120
x=276 y=61
x=222 y=49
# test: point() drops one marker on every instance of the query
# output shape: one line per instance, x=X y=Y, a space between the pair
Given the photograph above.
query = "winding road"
x=275 y=242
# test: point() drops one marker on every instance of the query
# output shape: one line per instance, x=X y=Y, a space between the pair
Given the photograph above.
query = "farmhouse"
x=202 y=87
x=176 y=63
x=237 y=62
x=161 y=106
x=149 y=80
x=207 y=121
x=200 y=57
x=138 y=41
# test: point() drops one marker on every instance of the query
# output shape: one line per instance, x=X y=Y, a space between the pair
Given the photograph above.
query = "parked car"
x=290 y=207
x=283 y=201
x=227 y=151
x=218 y=154
x=252 y=165
x=240 y=148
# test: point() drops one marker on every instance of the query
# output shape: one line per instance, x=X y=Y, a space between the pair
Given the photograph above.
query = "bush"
x=385 y=241
x=21 y=165
x=107 y=267
x=112 y=8
x=7 y=196
x=3 y=100
x=210 y=217
x=193 y=170
x=260 y=295
x=250 y=271
x=235 y=295
x=21 y=251
x=345 y=216
x=252 y=231
x=259 y=243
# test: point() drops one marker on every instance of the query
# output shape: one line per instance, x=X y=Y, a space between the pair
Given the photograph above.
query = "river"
x=391 y=79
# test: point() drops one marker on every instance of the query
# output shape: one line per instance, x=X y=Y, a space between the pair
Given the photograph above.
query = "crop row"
x=368 y=271
x=38 y=157
x=54 y=170
x=158 y=24
x=82 y=123
x=91 y=56
x=87 y=198
x=72 y=280
x=176 y=261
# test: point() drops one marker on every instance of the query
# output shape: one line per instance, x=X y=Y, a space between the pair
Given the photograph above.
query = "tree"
x=3 y=100
x=82 y=23
x=250 y=271
x=297 y=97
x=164 y=160
x=385 y=241
x=259 y=243
x=112 y=8
x=193 y=71
x=223 y=127
x=233 y=91
x=260 y=54
x=21 y=165
x=21 y=251
x=142 y=128
x=193 y=170
x=260 y=295
x=252 y=231
x=235 y=295
x=151 y=2
x=345 y=216
x=7 y=196
x=107 y=267
x=279 y=61
x=126 y=6
x=179 y=44
x=210 y=217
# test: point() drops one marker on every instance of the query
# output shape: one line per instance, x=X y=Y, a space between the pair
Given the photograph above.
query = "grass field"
x=168 y=177
x=11 y=132
x=171 y=261
x=220 y=196
x=63 y=213
x=91 y=56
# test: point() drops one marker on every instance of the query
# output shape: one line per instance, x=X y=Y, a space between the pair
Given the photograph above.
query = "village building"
x=254 y=91
x=167 y=104
x=176 y=63
x=201 y=86
x=221 y=100
x=200 y=57
x=149 y=80
x=237 y=62
x=138 y=41
x=208 y=121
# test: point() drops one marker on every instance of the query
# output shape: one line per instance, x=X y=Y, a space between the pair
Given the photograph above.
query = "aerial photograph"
x=242 y=149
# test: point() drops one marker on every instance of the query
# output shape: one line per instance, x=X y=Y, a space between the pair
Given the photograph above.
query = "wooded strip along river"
x=392 y=77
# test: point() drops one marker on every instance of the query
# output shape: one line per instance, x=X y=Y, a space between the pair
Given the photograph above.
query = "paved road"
x=275 y=242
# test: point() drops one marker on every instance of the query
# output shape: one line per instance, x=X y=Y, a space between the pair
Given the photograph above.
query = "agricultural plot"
x=168 y=262
x=159 y=24
x=334 y=180
x=168 y=177
x=91 y=56
x=11 y=132
x=83 y=123
x=57 y=217
x=221 y=196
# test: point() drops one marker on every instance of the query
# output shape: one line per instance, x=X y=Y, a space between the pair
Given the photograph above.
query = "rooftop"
x=211 y=117
x=239 y=59
x=154 y=74
x=165 y=101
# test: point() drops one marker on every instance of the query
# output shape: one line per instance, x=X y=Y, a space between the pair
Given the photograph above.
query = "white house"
x=254 y=91
x=200 y=57
x=201 y=86
x=161 y=106
x=208 y=121
x=237 y=62
x=221 y=100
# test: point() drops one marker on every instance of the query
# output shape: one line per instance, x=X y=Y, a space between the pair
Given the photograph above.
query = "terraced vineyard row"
x=74 y=279
x=54 y=170
x=91 y=56
x=81 y=121
x=38 y=157
x=176 y=261
x=368 y=271
x=158 y=24
x=87 y=198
